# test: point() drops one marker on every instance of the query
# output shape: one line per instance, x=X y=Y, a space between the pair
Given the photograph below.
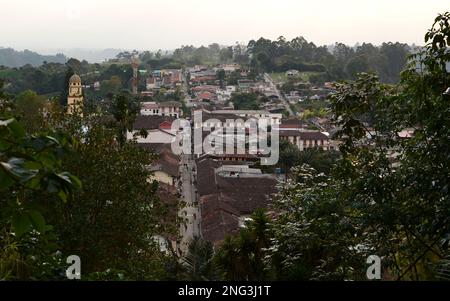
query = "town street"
x=191 y=211
x=268 y=79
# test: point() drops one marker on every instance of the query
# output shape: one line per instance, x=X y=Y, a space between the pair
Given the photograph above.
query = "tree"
x=245 y=101
x=124 y=110
x=31 y=109
x=31 y=172
x=221 y=77
x=242 y=257
x=320 y=160
x=198 y=263
x=75 y=65
x=111 y=222
x=357 y=64
x=113 y=85
x=396 y=59
x=393 y=210
x=226 y=54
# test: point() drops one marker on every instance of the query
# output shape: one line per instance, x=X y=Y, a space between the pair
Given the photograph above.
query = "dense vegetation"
x=72 y=185
x=343 y=62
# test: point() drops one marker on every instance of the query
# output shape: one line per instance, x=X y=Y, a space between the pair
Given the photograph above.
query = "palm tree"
x=198 y=262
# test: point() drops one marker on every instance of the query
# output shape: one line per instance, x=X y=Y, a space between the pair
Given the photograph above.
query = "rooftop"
x=148 y=122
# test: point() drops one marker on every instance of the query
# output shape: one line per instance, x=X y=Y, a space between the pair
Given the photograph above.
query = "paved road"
x=269 y=80
x=191 y=211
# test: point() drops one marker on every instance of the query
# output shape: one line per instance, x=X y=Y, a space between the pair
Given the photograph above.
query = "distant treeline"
x=339 y=62
x=51 y=78
x=46 y=74
x=13 y=58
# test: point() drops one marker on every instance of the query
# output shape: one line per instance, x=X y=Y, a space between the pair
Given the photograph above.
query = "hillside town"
x=265 y=160
x=219 y=191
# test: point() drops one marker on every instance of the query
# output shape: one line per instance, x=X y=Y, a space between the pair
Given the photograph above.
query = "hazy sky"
x=165 y=24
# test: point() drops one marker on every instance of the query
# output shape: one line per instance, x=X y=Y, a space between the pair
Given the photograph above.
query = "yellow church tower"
x=75 y=99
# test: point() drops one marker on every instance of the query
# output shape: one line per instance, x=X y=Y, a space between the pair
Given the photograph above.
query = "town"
x=262 y=160
x=220 y=191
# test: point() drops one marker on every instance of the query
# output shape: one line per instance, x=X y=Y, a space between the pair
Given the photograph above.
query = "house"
x=215 y=119
x=204 y=96
x=228 y=194
x=150 y=108
x=203 y=80
x=167 y=108
x=152 y=83
x=166 y=168
x=245 y=84
x=168 y=78
x=197 y=68
x=304 y=139
x=166 y=172
x=156 y=129
x=273 y=118
x=228 y=68
x=292 y=124
x=170 y=108
x=172 y=77
x=203 y=88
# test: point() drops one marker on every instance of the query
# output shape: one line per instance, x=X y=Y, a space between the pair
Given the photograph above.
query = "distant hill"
x=90 y=55
x=12 y=58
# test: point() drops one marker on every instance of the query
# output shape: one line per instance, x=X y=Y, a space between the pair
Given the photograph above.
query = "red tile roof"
x=204 y=95
x=165 y=125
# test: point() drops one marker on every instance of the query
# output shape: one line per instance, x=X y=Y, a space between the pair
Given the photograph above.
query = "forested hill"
x=12 y=58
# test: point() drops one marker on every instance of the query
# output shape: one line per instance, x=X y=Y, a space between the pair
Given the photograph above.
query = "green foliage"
x=45 y=212
x=241 y=257
x=314 y=237
x=386 y=196
x=246 y=101
x=198 y=263
x=213 y=54
x=30 y=108
x=320 y=160
x=343 y=63
x=221 y=77
x=124 y=110
x=111 y=221
x=30 y=168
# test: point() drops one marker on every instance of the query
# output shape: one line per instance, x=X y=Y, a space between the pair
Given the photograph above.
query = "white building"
x=167 y=108
x=274 y=118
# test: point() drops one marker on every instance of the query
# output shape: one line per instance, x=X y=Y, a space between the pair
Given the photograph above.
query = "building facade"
x=75 y=97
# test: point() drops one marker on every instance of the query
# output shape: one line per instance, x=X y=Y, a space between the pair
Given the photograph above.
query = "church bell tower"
x=75 y=98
